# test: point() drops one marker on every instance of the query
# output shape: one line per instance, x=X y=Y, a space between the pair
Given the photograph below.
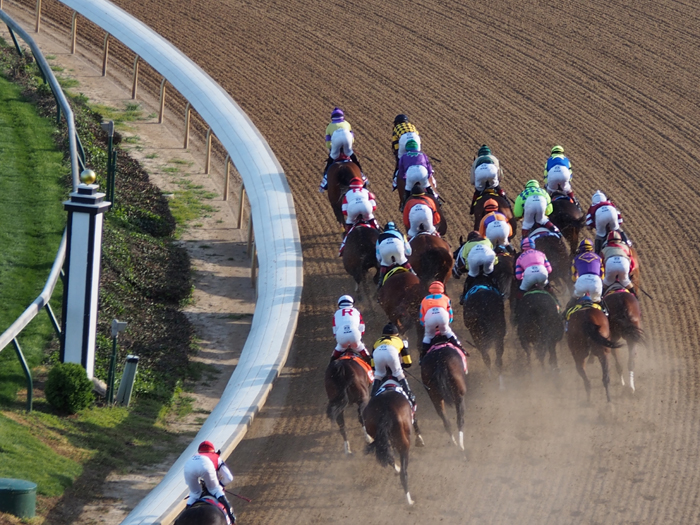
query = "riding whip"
x=239 y=496
x=645 y=293
x=414 y=377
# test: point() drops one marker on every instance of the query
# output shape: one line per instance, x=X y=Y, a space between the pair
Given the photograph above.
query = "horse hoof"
x=368 y=439
x=348 y=452
x=408 y=498
x=419 y=441
x=461 y=440
x=397 y=468
x=501 y=385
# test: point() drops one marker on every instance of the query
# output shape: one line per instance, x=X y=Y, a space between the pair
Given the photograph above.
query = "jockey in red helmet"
x=348 y=328
x=359 y=204
x=208 y=467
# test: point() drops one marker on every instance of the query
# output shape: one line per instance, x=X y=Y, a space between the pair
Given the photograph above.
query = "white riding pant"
x=437 y=319
x=606 y=220
x=200 y=467
x=405 y=138
x=421 y=219
x=534 y=211
x=417 y=174
x=535 y=274
x=391 y=252
x=357 y=207
x=349 y=337
x=617 y=268
x=497 y=233
x=341 y=141
x=387 y=361
x=589 y=284
x=559 y=179
x=480 y=258
x=485 y=175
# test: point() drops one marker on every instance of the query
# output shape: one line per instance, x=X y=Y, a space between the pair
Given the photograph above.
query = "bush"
x=68 y=388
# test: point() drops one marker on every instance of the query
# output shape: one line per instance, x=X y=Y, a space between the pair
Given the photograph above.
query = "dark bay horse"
x=439 y=220
x=539 y=325
x=201 y=513
x=503 y=207
x=444 y=376
x=347 y=382
x=557 y=253
x=340 y=173
x=388 y=419
x=504 y=272
x=625 y=319
x=359 y=254
x=400 y=298
x=485 y=318
x=588 y=333
x=568 y=217
x=431 y=258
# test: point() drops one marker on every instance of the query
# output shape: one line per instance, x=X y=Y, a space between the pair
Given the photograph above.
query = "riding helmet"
x=490 y=205
x=526 y=244
x=390 y=329
x=532 y=184
x=345 y=301
x=557 y=149
x=614 y=236
x=390 y=226
x=474 y=236
x=411 y=145
x=400 y=118
x=585 y=246
x=483 y=150
x=206 y=446
x=356 y=184
x=598 y=197
x=436 y=287
x=337 y=115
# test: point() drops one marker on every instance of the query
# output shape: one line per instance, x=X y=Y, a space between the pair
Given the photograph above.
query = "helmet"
x=532 y=184
x=390 y=329
x=206 y=446
x=483 y=150
x=390 y=226
x=526 y=244
x=400 y=118
x=411 y=145
x=474 y=236
x=337 y=115
x=417 y=189
x=585 y=246
x=345 y=300
x=557 y=149
x=356 y=184
x=614 y=236
x=436 y=287
x=598 y=197
x=490 y=205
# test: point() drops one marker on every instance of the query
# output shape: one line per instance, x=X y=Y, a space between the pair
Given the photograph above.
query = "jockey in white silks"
x=421 y=219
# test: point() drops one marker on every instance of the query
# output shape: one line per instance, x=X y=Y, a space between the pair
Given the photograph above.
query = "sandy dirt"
x=616 y=85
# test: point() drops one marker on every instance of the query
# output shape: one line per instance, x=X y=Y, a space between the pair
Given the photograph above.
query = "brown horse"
x=539 y=325
x=588 y=333
x=202 y=513
x=431 y=258
x=568 y=217
x=347 y=382
x=400 y=298
x=359 y=254
x=503 y=207
x=388 y=419
x=340 y=173
x=444 y=376
x=624 y=316
x=635 y=275
x=439 y=220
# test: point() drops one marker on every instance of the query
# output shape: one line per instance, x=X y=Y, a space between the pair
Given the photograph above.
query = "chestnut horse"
x=430 y=258
x=359 y=253
x=568 y=217
x=624 y=317
x=503 y=207
x=400 y=298
x=346 y=383
x=588 y=333
x=340 y=173
x=539 y=325
x=388 y=419
x=444 y=377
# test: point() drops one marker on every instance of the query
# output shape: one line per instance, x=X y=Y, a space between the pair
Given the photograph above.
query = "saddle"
x=538 y=290
x=393 y=271
x=440 y=346
x=615 y=287
x=352 y=355
x=208 y=499
x=541 y=232
x=358 y=224
x=478 y=287
x=582 y=304
x=390 y=384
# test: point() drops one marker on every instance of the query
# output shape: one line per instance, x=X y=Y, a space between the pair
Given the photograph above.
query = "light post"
x=117 y=327
x=108 y=128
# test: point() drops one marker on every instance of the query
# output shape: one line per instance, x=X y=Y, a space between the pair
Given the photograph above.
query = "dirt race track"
x=616 y=83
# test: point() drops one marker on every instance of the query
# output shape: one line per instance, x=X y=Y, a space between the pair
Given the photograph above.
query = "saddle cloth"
x=541 y=232
x=615 y=287
x=449 y=345
x=360 y=224
x=582 y=304
x=211 y=500
x=392 y=272
x=363 y=364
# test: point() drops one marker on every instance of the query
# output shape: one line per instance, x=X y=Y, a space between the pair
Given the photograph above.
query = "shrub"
x=68 y=388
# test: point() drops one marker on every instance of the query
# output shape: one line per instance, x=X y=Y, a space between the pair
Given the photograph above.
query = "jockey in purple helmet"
x=339 y=139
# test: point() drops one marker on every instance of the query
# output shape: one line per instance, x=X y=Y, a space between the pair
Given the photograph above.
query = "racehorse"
x=635 y=275
x=503 y=272
x=588 y=333
x=485 y=318
x=439 y=221
x=554 y=248
x=205 y=511
x=359 y=253
x=347 y=381
x=503 y=207
x=400 y=298
x=340 y=173
x=388 y=419
x=444 y=376
x=431 y=258
x=568 y=217
x=539 y=324
x=624 y=317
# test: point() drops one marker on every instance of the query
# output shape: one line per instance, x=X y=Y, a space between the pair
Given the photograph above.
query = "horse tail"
x=339 y=403
x=381 y=446
x=593 y=333
x=630 y=330
x=434 y=264
x=444 y=381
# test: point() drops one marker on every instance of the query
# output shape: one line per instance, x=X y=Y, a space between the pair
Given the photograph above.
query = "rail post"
x=241 y=195
x=105 y=55
x=73 y=32
x=135 y=84
x=253 y=268
x=207 y=161
x=162 y=101
x=227 y=177
x=188 y=110
x=37 y=25
x=250 y=234
x=27 y=374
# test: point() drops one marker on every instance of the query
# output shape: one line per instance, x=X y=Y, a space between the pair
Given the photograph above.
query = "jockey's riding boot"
x=222 y=499
x=424 y=349
x=375 y=224
x=469 y=282
x=598 y=244
x=625 y=239
x=551 y=227
x=474 y=197
x=382 y=274
x=375 y=387
x=456 y=342
x=510 y=249
x=329 y=161
x=407 y=389
x=632 y=290
x=353 y=158
x=395 y=181
x=366 y=358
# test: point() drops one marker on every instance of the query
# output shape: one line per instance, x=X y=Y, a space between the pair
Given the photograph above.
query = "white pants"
x=534 y=211
x=349 y=337
x=437 y=319
x=357 y=207
x=497 y=233
x=391 y=252
x=417 y=174
x=200 y=467
x=559 y=179
x=480 y=257
x=536 y=274
x=387 y=357
x=590 y=284
x=485 y=174
x=341 y=141
x=606 y=218
x=421 y=219
x=617 y=268
x=405 y=138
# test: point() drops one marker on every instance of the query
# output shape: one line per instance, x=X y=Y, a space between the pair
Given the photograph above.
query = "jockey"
x=421 y=221
x=339 y=139
x=436 y=315
x=486 y=172
x=358 y=204
x=533 y=205
x=586 y=271
x=532 y=267
x=558 y=173
x=618 y=261
x=390 y=357
x=418 y=196
x=415 y=167
x=348 y=328
x=556 y=158
x=208 y=467
x=495 y=226
x=392 y=249
x=402 y=132
x=477 y=256
x=604 y=217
